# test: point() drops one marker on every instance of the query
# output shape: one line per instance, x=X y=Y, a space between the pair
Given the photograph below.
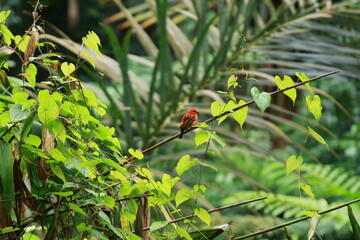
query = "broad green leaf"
x=201 y=137
x=203 y=215
x=317 y=137
x=293 y=163
x=157 y=225
x=18 y=114
x=83 y=227
x=307 y=189
x=33 y=140
x=63 y=194
x=185 y=164
x=183 y=233
x=286 y=82
x=57 y=128
x=67 y=68
x=98 y=234
x=9 y=229
x=48 y=109
x=88 y=57
x=57 y=155
x=55 y=169
x=208 y=165
x=22 y=42
x=31 y=72
x=312 y=227
x=118 y=175
x=136 y=153
x=165 y=184
x=218 y=108
x=125 y=187
x=107 y=221
x=7 y=35
x=76 y=208
x=262 y=100
x=92 y=41
x=183 y=195
x=109 y=201
x=314 y=105
x=198 y=187
x=7 y=188
x=218 y=139
x=354 y=224
x=4 y=15
x=303 y=78
x=241 y=114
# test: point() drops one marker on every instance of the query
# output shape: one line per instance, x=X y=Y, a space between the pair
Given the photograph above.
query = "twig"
x=295 y=221
x=131 y=159
x=214 y=210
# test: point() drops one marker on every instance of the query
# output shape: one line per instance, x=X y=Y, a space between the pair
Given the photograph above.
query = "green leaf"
x=241 y=114
x=55 y=169
x=33 y=140
x=98 y=234
x=57 y=128
x=136 y=153
x=183 y=233
x=18 y=114
x=208 y=165
x=109 y=201
x=7 y=35
x=286 y=82
x=7 y=188
x=218 y=108
x=293 y=163
x=218 y=139
x=183 y=195
x=48 y=109
x=165 y=184
x=31 y=72
x=201 y=137
x=67 y=68
x=354 y=224
x=232 y=82
x=262 y=100
x=304 y=78
x=307 y=189
x=4 y=15
x=313 y=103
x=203 y=215
x=125 y=187
x=63 y=194
x=317 y=137
x=76 y=208
x=185 y=164
x=157 y=225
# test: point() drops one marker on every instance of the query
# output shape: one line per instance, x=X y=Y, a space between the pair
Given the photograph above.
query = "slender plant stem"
x=131 y=159
x=295 y=221
x=214 y=210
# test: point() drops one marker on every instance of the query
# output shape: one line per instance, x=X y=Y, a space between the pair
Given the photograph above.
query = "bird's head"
x=193 y=110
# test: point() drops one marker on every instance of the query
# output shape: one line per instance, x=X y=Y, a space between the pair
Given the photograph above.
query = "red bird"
x=188 y=120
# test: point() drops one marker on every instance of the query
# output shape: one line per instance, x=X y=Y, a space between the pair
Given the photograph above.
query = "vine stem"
x=131 y=159
x=214 y=210
x=296 y=220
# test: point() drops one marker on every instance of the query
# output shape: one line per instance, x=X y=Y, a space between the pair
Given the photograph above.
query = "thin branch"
x=214 y=210
x=131 y=159
x=295 y=221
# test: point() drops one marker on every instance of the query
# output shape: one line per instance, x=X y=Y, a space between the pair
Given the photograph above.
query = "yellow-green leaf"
x=303 y=78
x=203 y=215
x=314 y=105
x=76 y=208
x=183 y=195
x=286 y=82
x=136 y=153
x=241 y=114
x=67 y=68
x=201 y=137
x=293 y=163
x=218 y=108
x=31 y=72
x=185 y=164
x=232 y=81
x=262 y=99
x=307 y=189
x=183 y=233
x=317 y=137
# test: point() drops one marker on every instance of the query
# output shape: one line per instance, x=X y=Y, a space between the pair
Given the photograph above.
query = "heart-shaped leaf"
x=262 y=99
